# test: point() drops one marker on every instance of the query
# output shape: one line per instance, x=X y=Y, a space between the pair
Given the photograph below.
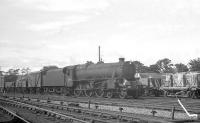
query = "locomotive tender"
x=100 y=80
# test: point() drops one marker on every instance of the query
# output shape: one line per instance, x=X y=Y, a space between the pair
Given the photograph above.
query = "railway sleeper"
x=67 y=109
x=67 y=120
x=44 y=112
x=53 y=115
x=124 y=119
x=85 y=112
x=77 y=110
x=39 y=112
x=134 y=120
x=58 y=116
x=62 y=118
x=105 y=116
x=94 y=114
x=84 y=118
x=112 y=117
x=34 y=110
x=58 y=107
x=48 y=114
x=70 y=110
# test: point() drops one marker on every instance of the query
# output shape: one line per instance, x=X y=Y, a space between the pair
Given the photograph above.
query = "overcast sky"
x=35 y=33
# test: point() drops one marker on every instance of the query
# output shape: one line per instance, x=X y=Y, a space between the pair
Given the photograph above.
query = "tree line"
x=161 y=66
x=165 y=66
x=12 y=74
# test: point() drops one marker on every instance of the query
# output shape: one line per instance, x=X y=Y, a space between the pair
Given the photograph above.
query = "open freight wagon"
x=186 y=84
x=1 y=82
x=151 y=83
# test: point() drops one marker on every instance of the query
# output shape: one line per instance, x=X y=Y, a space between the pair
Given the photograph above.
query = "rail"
x=45 y=110
x=14 y=115
x=97 y=115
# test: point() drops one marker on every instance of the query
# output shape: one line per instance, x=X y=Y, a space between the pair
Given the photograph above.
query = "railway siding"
x=192 y=106
x=137 y=107
x=109 y=116
x=4 y=117
x=34 y=114
x=15 y=116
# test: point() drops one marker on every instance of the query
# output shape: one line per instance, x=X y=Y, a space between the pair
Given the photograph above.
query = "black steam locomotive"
x=100 y=80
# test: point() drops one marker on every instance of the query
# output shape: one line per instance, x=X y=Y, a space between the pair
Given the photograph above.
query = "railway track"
x=160 y=103
x=144 y=106
x=90 y=115
x=98 y=114
x=37 y=115
x=15 y=118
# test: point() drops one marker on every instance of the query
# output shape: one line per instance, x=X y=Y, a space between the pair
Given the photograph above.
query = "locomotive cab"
x=133 y=88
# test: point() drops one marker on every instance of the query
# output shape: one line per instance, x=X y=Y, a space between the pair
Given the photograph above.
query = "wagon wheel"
x=109 y=94
x=68 y=92
x=156 y=93
x=194 y=96
x=135 y=94
x=123 y=94
x=189 y=94
x=166 y=93
x=99 y=92
x=77 y=91
x=88 y=93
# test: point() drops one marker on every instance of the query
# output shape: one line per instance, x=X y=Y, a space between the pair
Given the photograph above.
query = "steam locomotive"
x=100 y=80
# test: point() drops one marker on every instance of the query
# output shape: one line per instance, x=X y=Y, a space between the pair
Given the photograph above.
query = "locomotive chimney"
x=121 y=59
x=99 y=54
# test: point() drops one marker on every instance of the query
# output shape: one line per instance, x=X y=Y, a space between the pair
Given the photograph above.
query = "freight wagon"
x=1 y=82
x=182 y=84
x=29 y=83
x=151 y=83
